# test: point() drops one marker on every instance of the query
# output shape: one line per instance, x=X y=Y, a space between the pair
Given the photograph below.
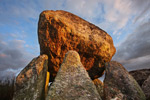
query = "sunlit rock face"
x=60 y=31
x=72 y=81
x=30 y=83
x=120 y=85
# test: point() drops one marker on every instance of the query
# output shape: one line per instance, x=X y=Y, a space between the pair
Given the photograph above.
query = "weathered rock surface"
x=30 y=83
x=60 y=31
x=100 y=87
x=140 y=75
x=72 y=81
x=120 y=85
x=146 y=88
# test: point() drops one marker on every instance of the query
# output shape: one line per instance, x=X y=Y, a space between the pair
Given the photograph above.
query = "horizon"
x=127 y=22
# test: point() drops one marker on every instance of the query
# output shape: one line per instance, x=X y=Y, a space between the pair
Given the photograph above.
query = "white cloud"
x=112 y=15
x=118 y=13
x=18 y=35
x=87 y=9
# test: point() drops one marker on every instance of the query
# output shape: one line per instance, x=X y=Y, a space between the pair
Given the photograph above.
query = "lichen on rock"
x=72 y=81
x=60 y=31
x=100 y=87
x=119 y=84
x=146 y=88
x=30 y=83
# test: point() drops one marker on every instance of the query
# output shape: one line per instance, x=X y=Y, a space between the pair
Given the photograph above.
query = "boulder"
x=100 y=87
x=146 y=88
x=60 y=31
x=30 y=83
x=140 y=75
x=119 y=84
x=72 y=81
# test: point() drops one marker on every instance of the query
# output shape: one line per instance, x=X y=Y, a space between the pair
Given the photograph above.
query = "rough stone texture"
x=72 y=81
x=140 y=75
x=30 y=83
x=99 y=86
x=146 y=88
x=60 y=31
x=120 y=85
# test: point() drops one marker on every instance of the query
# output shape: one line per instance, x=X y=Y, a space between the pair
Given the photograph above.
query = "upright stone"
x=140 y=75
x=72 y=81
x=100 y=87
x=146 y=88
x=30 y=83
x=120 y=85
x=60 y=31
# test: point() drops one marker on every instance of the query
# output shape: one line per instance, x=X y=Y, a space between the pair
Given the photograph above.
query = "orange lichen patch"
x=46 y=83
x=87 y=62
x=29 y=73
x=56 y=68
x=19 y=79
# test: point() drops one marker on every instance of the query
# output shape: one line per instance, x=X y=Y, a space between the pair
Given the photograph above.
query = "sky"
x=126 y=21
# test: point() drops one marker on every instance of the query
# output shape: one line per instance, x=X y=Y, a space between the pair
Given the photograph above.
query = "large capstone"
x=60 y=31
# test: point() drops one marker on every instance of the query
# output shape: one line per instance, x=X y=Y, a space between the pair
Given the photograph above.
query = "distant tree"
x=7 y=89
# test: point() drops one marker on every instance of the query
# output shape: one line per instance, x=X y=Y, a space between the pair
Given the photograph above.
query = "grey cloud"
x=140 y=3
x=142 y=6
x=138 y=63
x=13 y=56
x=13 y=53
x=134 y=52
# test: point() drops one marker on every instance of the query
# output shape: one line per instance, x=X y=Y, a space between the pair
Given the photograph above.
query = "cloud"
x=18 y=35
x=110 y=15
x=13 y=56
x=134 y=51
x=141 y=7
x=117 y=11
x=10 y=11
x=87 y=9
x=121 y=15
x=137 y=63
